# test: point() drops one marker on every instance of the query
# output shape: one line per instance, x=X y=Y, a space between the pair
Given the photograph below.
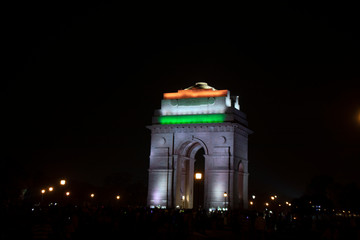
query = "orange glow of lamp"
x=196 y=93
x=198 y=176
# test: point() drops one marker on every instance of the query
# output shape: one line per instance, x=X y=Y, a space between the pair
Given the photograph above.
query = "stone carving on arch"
x=189 y=148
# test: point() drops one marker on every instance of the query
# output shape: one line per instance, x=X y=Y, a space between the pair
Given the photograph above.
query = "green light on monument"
x=188 y=119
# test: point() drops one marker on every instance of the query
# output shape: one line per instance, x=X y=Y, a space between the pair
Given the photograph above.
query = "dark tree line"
x=323 y=193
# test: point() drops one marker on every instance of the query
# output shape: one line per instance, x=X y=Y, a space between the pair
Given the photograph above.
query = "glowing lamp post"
x=225 y=196
x=92 y=195
x=118 y=197
x=67 y=194
x=62 y=182
x=266 y=206
x=198 y=176
x=43 y=191
x=51 y=189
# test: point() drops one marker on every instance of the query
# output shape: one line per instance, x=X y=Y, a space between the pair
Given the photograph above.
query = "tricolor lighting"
x=196 y=93
x=189 y=119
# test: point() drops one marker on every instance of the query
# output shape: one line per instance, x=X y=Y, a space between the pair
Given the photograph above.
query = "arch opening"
x=191 y=190
x=199 y=168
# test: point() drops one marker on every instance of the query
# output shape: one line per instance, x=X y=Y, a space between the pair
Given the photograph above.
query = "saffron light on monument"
x=199 y=118
x=196 y=93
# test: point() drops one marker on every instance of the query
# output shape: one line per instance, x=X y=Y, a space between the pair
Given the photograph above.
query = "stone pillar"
x=177 y=180
x=245 y=190
x=189 y=183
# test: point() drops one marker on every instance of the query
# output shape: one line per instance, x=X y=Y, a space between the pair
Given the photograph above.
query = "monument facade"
x=199 y=151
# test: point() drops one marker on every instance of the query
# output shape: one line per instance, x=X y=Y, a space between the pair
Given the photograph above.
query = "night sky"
x=81 y=82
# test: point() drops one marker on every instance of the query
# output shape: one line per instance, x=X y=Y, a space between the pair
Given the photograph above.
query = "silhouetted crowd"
x=104 y=222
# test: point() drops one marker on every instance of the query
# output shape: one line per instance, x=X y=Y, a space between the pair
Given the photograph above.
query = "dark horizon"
x=85 y=80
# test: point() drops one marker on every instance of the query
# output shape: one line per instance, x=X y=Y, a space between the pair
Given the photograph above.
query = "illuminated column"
x=189 y=184
x=208 y=161
x=220 y=170
x=160 y=170
x=178 y=184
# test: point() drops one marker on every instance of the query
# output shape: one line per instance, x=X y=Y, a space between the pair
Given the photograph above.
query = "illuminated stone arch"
x=184 y=178
x=176 y=136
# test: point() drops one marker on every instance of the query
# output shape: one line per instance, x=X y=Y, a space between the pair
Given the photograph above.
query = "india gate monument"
x=199 y=151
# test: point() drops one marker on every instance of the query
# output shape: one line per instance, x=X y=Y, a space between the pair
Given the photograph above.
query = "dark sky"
x=81 y=83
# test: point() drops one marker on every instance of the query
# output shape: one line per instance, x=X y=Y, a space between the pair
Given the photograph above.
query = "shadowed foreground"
x=100 y=222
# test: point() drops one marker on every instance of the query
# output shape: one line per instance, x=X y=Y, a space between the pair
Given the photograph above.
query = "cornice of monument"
x=201 y=127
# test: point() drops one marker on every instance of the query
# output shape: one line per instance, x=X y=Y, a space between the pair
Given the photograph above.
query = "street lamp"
x=67 y=193
x=225 y=196
x=198 y=176
x=92 y=195
x=118 y=197
x=43 y=191
x=62 y=182
x=51 y=189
